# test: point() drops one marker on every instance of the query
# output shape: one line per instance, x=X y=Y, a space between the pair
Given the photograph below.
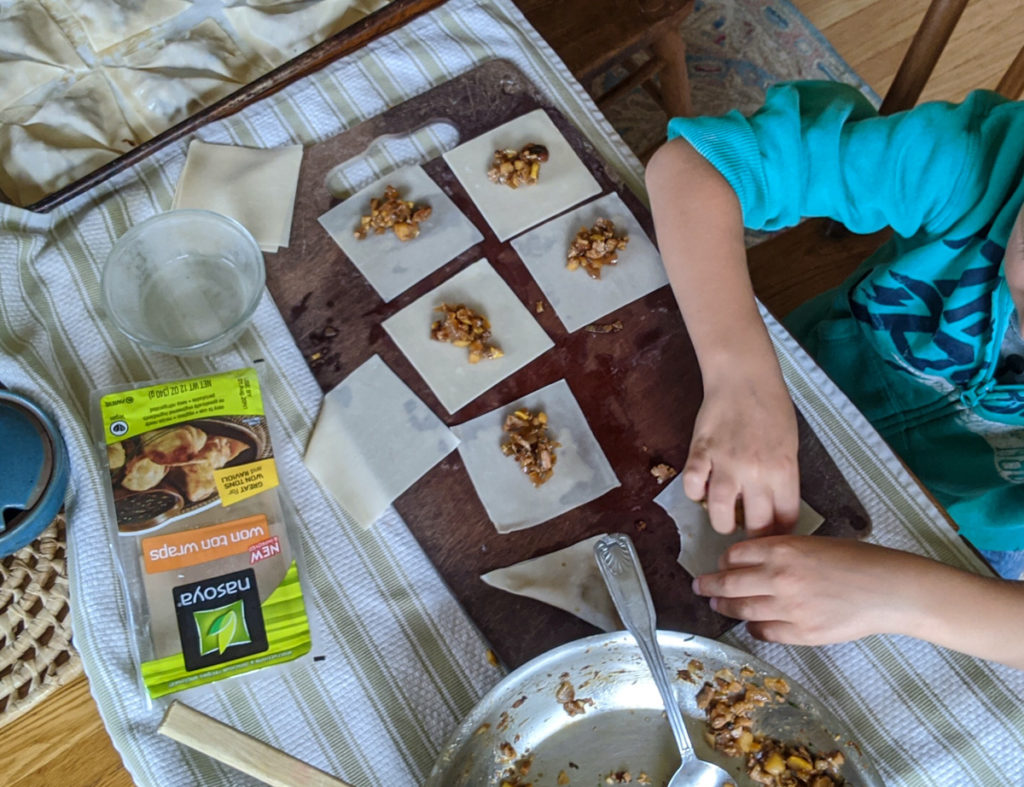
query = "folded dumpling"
x=115 y=456
x=173 y=445
x=567 y=578
x=141 y=473
x=196 y=478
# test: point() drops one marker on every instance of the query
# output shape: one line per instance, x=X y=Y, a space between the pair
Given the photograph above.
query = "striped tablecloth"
x=401 y=661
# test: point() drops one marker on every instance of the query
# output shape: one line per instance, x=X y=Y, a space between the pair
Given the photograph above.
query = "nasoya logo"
x=221 y=628
x=220 y=619
x=188 y=598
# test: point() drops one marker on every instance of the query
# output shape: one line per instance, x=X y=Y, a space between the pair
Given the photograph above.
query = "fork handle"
x=620 y=567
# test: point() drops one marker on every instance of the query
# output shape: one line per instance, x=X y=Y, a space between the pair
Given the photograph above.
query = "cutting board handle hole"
x=387 y=153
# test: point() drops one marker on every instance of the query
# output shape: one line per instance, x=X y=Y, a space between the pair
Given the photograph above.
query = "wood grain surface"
x=640 y=387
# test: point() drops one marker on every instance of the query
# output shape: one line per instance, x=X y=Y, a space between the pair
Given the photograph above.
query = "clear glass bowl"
x=184 y=282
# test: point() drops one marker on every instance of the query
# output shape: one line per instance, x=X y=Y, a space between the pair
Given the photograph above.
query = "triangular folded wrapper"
x=254 y=186
x=567 y=578
x=700 y=545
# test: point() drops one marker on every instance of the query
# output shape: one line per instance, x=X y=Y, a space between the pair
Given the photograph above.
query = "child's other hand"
x=744 y=447
x=1013 y=266
x=809 y=590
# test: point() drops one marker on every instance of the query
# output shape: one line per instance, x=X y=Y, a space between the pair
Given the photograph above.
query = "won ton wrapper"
x=59 y=132
x=165 y=79
x=563 y=181
x=566 y=578
x=374 y=439
x=109 y=22
x=282 y=29
x=700 y=545
x=35 y=50
x=577 y=298
x=392 y=265
x=581 y=473
x=254 y=186
x=446 y=368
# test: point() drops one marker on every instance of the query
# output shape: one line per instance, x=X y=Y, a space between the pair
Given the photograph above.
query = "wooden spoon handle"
x=244 y=752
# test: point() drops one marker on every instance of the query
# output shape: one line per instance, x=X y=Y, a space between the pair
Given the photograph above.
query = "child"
x=924 y=338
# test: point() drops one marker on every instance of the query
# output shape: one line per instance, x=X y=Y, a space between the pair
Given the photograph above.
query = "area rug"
x=736 y=49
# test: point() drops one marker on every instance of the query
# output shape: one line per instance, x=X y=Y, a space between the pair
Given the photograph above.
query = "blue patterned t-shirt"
x=914 y=335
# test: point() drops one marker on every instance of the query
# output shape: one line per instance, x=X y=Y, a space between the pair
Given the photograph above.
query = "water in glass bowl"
x=193 y=299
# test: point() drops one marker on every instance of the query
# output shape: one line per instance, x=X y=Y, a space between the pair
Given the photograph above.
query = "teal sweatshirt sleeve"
x=820 y=149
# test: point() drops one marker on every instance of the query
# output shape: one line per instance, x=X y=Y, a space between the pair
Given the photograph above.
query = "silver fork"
x=620 y=567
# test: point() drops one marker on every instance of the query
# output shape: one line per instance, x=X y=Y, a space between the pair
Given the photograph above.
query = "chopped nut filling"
x=729 y=704
x=663 y=472
x=608 y=327
x=514 y=775
x=515 y=168
x=596 y=247
x=391 y=212
x=529 y=443
x=463 y=327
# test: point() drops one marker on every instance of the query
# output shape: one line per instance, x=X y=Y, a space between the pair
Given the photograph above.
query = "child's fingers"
x=745 y=607
x=758 y=508
x=778 y=631
x=733 y=583
x=696 y=473
x=786 y=501
x=721 y=502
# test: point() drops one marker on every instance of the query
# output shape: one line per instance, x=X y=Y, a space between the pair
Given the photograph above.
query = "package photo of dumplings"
x=196 y=515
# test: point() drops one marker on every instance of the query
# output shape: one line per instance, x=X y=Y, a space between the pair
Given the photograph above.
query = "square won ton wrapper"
x=700 y=545
x=446 y=368
x=577 y=298
x=563 y=182
x=392 y=265
x=581 y=473
x=374 y=439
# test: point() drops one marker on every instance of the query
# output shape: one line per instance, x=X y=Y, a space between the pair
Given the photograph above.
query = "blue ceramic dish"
x=33 y=472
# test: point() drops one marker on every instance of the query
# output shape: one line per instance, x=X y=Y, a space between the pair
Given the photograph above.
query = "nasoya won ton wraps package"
x=205 y=551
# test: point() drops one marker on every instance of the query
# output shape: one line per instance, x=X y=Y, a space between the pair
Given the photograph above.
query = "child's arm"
x=812 y=590
x=745 y=437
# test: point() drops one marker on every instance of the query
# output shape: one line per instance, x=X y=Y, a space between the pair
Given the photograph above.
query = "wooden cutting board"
x=640 y=388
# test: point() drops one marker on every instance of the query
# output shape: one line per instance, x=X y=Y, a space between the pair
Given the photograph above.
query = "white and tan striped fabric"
x=401 y=662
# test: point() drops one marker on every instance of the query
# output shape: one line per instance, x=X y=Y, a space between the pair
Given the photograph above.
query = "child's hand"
x=1013 y=266
x=744 y=447
x=810 y=590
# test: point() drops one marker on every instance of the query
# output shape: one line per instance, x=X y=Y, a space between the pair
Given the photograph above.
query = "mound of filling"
x=515 y=168
x=528 y=442
x=463 y=327
x=729 y=702
x=391 y=212
x=596 y=247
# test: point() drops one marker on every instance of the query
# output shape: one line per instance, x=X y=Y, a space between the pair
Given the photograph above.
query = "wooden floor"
x=872 y=36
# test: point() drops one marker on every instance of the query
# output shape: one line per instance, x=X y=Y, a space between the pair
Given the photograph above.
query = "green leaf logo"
x=221 y=628
x=224 y=628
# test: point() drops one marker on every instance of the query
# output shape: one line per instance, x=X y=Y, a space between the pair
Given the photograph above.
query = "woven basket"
x=36 y=655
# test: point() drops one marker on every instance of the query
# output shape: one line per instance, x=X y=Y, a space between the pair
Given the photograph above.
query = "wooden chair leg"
x=922 y=55
x=669 y=46
x=633 y=80
x=1012 y=83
